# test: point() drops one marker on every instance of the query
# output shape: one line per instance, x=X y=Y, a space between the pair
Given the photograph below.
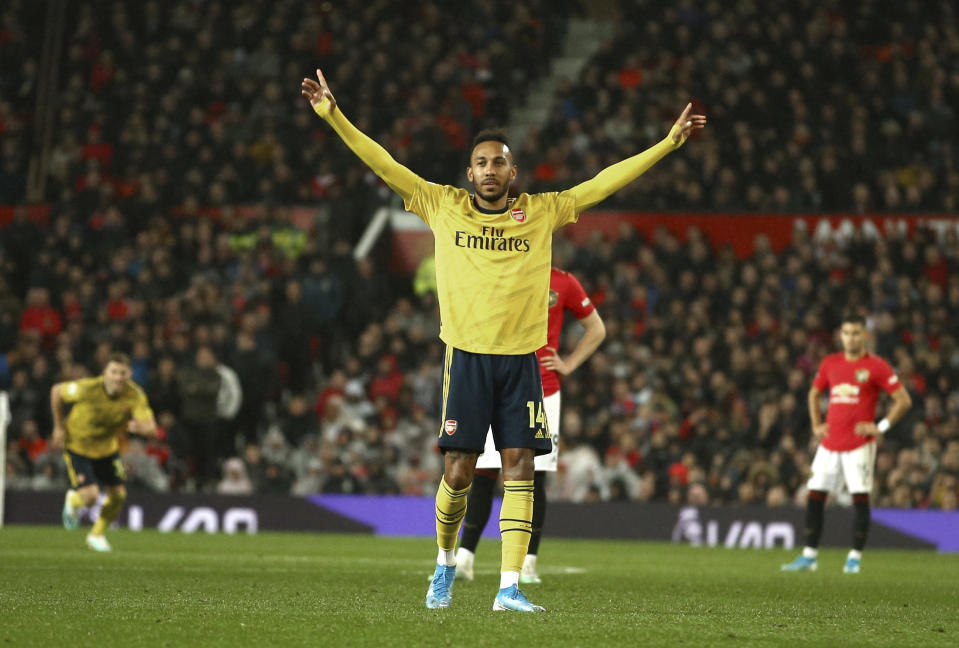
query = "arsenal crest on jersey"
x=450 y=426
x=518 y=214
x=862 y=375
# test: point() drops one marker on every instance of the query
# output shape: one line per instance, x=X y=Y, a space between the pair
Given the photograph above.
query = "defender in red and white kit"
x=565 y=294
x=847 y=452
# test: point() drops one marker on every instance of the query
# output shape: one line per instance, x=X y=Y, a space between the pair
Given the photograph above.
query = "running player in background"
x=565 y=294
x=103 y=408
x=493 y=256
x=847 y=450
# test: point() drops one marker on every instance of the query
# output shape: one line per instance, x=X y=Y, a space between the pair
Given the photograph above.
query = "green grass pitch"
x=289 y=589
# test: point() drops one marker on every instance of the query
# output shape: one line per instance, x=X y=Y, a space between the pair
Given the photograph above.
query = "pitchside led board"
x=731 y=527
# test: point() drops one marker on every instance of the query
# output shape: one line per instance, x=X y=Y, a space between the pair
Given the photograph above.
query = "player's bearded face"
x=853 y=338
x=114 y=377
x=491 y=170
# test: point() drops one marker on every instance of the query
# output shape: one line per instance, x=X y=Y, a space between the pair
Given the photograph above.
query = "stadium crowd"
x=698 y=394
x=823 y=106
x=834 y=106
x=277 y=362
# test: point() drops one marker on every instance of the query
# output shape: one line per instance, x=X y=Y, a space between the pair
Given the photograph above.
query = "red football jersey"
x=565 y=294
x=853 y=392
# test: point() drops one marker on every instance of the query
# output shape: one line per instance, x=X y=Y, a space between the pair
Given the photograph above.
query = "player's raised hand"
x=318 y=92
x=686 y=124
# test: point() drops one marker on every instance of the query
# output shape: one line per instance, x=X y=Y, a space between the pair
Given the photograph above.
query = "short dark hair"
x=119 y=358
x=853 y=317
x=491 y=135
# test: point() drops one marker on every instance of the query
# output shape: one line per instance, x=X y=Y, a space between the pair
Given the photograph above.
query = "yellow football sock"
x=516 y=523
x=108 y=513
x=450 y=511
x=75 y=500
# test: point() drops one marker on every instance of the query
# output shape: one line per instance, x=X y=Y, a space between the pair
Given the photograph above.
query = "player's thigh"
x=467 y=400
x=826 y=470
x=519 y=417
x=858 y=467
x=110 y=471
x=549 y=462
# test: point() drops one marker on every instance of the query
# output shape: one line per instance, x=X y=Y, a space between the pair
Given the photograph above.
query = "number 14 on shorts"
x=537 y=417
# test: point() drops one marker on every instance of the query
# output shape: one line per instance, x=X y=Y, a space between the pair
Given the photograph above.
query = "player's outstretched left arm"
x=613 y=178
x=594 y=335
x=395 y=175
x=901 y=402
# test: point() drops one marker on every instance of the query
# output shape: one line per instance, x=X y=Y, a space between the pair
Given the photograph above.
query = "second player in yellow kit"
x=103 y=408
x=493 y=258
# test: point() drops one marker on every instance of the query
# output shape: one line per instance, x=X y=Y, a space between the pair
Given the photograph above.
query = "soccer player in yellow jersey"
x=493 y=257
x=103 y=407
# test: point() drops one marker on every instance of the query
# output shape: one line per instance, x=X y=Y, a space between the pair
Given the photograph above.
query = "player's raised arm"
x=615 y=177
x=395 y=175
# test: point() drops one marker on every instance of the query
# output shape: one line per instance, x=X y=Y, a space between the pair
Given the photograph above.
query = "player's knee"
x=459 y=469
x=457 y=479
x=89 y=495
x=118 y=493
x=517 y=464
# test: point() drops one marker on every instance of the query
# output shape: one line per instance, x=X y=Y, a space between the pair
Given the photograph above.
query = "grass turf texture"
x=288 y=589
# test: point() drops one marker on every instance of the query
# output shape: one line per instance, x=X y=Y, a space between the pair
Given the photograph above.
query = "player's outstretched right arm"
x=613 y=178
x=395 y=175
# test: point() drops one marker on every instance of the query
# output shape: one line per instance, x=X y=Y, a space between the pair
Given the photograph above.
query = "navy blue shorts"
x=84 y=471
x=499 y=392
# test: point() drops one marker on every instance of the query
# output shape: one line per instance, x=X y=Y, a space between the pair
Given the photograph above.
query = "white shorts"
x=490 y=458
x=830 y=468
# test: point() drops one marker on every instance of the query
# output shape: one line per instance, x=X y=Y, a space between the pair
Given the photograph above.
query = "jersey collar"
x=482 y=210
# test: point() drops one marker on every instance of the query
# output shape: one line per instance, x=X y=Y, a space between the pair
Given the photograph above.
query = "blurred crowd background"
x=203 y=220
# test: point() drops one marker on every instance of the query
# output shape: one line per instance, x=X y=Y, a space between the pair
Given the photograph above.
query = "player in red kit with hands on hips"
x=847 y=450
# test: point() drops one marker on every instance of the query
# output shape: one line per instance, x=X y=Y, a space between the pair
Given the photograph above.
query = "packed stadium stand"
x=169 y=193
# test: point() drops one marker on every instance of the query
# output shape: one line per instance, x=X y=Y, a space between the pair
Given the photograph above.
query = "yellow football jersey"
x=97 y=419
x=492 y=269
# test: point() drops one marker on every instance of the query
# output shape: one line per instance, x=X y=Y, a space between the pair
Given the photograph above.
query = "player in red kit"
x=847 y=450
x=565 y=294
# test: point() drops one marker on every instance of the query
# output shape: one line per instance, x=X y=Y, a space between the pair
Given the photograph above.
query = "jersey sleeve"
x=73 y=390
x=576 y=299
x=613 y=178
x=821 y=382
x=886 y=377
x=141 y=408
x=425 y=201
x=560 y=207
x=397 y=177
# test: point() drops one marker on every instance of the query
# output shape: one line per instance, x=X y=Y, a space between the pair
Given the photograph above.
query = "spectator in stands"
x=199 y=386
x=235 y=480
